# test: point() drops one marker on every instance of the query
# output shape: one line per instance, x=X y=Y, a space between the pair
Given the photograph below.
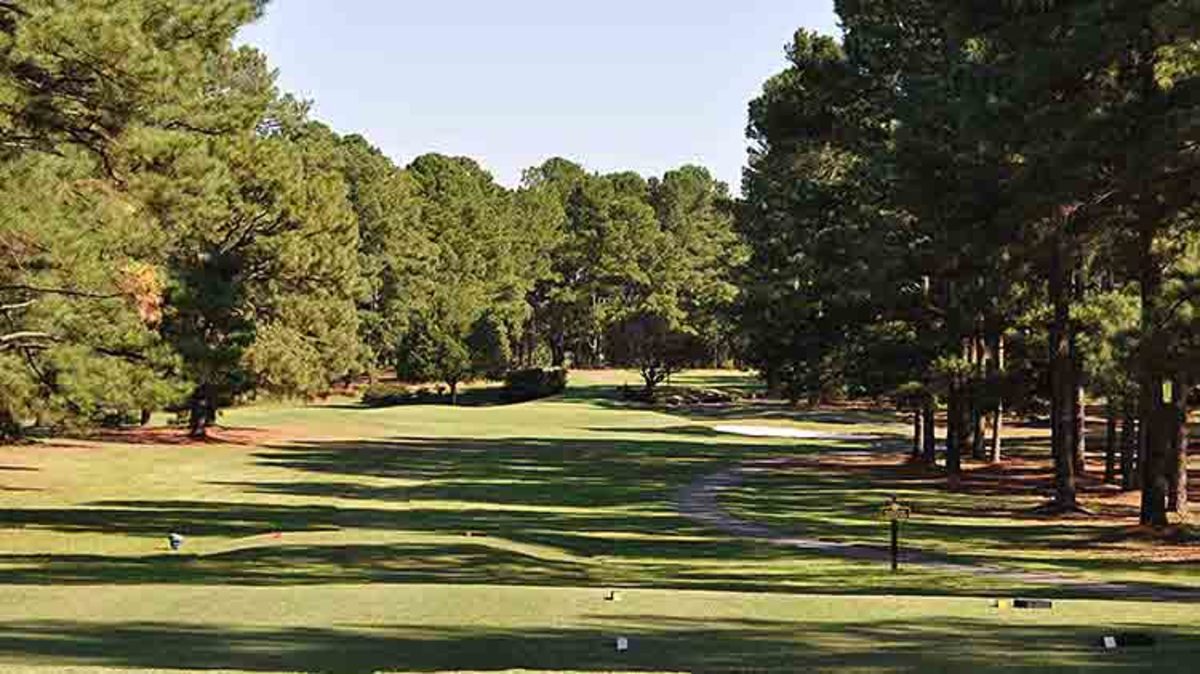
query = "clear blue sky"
x=644 y=85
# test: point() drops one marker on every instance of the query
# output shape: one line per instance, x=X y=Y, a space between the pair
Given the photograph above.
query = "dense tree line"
x=177 y=233
x=980 y=206
x=972 y=207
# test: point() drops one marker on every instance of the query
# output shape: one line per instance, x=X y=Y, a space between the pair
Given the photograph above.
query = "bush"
x=912 y=396
x=534 y=383
x=385 y=395
x=678 y=395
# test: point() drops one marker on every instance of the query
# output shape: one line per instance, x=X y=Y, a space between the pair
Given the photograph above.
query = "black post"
x=895 y=545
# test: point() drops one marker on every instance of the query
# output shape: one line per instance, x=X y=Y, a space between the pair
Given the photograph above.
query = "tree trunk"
x=1177 y=494
x=774 y=382
x=979 y=450
x=146 y=415
x=965 y=430
x=453 y=392
x=1156 y=407
x=1129 y=447
x=998 y=413
x=1079 y=400
x=1063 y=388
x=1139 y=453
x=1160 y=436
x=1110 y=442
x=954 y=430
x=10 y=428
x=918 y=431
x=558 y=354
x=202 y=412
x=978 y=445
x=929 y=436
x=1079 y=429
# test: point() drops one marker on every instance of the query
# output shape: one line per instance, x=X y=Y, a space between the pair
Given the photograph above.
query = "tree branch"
x=17 y=307
x=67 y=292
x=15 y=339
x=12 y=7
x=128 y=356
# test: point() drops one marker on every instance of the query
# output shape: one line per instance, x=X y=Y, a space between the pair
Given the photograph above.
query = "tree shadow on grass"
x=18 y=469
x=657 y=644
x=506 y=511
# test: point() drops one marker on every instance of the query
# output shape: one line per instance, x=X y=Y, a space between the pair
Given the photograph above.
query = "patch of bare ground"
x=172 y=437
x=217 y=435
x=1107 y=520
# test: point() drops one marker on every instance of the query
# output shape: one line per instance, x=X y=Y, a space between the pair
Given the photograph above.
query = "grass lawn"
x=424 y=538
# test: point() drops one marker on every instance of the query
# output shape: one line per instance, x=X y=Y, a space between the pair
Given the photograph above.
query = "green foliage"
x=823 y=255
x=396 y=252
x=913 y=397
x=177 y=233
x=627 y=245
x=79 y=305
x=83 y=73
x=430 y=353
x=652 y=345
x=952 y=176
x=386 y=395
x=489 y=347
x=534 y=383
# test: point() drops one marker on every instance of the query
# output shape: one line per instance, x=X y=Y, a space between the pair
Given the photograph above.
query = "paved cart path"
x=700 y=503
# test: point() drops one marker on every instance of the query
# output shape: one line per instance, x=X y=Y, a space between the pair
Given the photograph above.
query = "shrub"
x=678 y=395
x=534 y=383
x=912 y=396
x=385 y=395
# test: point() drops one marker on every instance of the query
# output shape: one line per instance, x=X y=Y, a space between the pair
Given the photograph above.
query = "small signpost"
x=895 y=513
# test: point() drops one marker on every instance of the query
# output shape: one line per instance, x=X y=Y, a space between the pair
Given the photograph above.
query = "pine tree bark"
x=1078 y=400
x=918 y=433
x=998 y=413
x=1079 y=427
x=202 y=408
x=1110 y=442
x=1129 y=448
x=966 y=406
x=558 y=348
x=1157 y=426
x=1177 y=493
x=977 y=417
x=1159 y=437
x=954 y=429
x=929 y=437
x=1139 y=453
x=1063 y=386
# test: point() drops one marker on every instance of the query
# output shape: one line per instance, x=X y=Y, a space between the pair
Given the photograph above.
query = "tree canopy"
x=179 y=234
x=992 y=204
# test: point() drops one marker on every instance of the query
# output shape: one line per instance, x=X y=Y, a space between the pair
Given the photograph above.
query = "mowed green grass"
x=428 y=538
x=995 y=528
x=423 y=628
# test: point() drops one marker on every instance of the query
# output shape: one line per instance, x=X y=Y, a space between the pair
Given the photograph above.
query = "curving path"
x=699 y=503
